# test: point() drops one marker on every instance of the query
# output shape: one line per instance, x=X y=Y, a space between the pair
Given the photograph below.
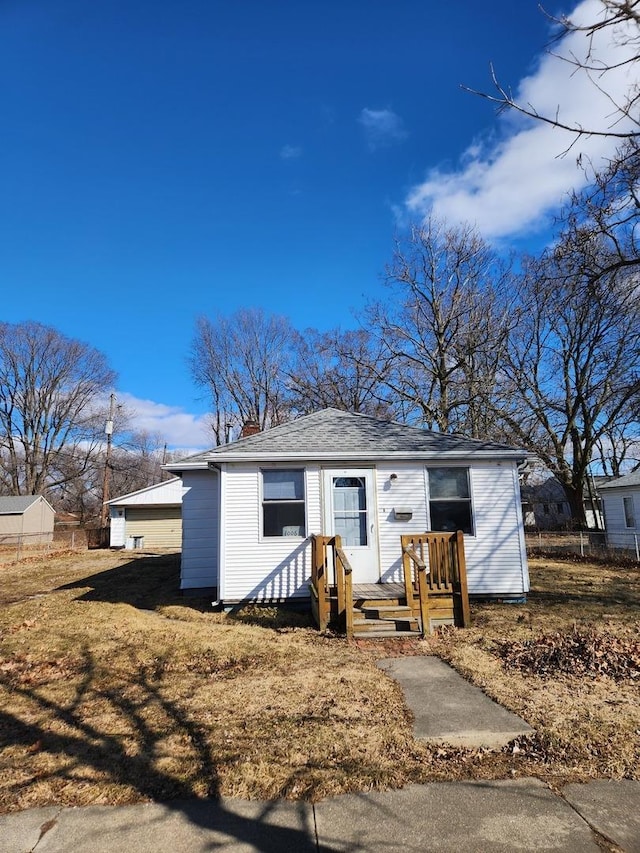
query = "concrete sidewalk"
x=447 y=708
x=475 y=817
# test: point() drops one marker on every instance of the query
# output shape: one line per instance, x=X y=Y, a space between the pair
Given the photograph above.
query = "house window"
x=629 y=515
x=450 y=499
x=545 y=509
x=283 y=510
x=560 y=507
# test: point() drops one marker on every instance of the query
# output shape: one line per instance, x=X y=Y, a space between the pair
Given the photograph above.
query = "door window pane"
x=350 y=510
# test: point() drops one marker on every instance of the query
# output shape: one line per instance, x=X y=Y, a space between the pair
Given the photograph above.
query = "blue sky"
x=161 y=160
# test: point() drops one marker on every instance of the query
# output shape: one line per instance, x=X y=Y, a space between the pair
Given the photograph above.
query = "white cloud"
x=509 y=186
x=185 y=432
x=381 y=128
x=290 y=152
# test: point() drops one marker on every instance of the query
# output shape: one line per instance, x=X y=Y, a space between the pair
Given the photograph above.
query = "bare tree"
x=603 y=220
x=618 y=22
x=617 y=448
x=571 y=369
x=343 y=369
x=443 y=328
x=137 y=462
x=242 y=361
x=51 y=388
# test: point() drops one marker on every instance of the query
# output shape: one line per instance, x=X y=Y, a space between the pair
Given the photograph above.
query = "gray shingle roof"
x=625 y=482
x=335 y=434
x=13 y=505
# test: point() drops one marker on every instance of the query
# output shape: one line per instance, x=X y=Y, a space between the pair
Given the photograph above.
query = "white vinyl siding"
x=407 y=491
x=117 y=527
x=261 y=568
x=167 y=493
x=496 y=555
x=619 y=534
x=264 y=568
x=200 y=525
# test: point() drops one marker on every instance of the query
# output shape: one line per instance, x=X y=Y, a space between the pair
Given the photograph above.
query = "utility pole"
x=162 y=475
x=107 y=462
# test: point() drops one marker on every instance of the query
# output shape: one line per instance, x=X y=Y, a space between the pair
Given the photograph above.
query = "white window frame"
x=470 y=500
x=297 y=537
x=627 y=501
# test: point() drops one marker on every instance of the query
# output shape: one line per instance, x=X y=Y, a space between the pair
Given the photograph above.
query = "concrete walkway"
x=475 y=817
x=448 y=709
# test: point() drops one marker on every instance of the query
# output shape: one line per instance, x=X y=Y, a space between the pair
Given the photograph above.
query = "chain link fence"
x=19 y=546
x=585 y=543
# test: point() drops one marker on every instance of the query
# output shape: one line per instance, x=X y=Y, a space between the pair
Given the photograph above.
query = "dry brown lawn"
x=114 y=689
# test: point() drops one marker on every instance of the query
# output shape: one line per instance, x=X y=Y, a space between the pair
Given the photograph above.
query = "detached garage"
x=28 y=520
x=150 y=518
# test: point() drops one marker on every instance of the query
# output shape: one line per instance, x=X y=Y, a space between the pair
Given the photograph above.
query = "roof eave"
x=408 y=456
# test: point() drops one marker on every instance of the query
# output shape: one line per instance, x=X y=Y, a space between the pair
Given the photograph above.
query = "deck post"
x=411 y=557
x=462 y=579
x=406 y=542
x=338 y=565
x=423 y=589
x=348 y=614
x=319 y=577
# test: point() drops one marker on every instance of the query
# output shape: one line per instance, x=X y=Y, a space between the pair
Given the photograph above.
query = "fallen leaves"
x=581 y=651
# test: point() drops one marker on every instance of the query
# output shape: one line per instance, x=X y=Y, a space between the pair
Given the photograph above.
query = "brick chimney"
x=249 y=428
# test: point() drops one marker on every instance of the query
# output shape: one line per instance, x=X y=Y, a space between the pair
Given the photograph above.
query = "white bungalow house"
x=148 y=518
x=249 y=508
x=621 y=503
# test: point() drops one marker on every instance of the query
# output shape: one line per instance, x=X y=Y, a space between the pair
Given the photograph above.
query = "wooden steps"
x=390 y=616
x=432 y=592
x=384 y=618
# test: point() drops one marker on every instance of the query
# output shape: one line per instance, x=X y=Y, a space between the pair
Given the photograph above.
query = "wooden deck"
x=434 y=591
x=377 y=591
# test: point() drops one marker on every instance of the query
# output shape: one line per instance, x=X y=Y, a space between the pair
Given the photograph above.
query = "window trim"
x=303 y=501
x=628 y=526
x=469 y=500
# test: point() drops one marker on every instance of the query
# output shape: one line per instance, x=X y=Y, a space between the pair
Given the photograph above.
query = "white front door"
x=350 y=513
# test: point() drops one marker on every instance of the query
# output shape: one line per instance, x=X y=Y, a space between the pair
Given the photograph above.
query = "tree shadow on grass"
x=85 y=747
x=150 y=583
x=147 y=583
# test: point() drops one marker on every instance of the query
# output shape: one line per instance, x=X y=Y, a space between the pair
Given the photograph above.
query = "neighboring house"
x=149 y=518
x=545 y=505
x=250 y=507
x=28 y=520
x=621 y=499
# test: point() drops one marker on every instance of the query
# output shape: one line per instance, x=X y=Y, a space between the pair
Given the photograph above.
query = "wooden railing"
x=434 y=564
x=320 y=584
x=331 y=572
x=415 y=582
